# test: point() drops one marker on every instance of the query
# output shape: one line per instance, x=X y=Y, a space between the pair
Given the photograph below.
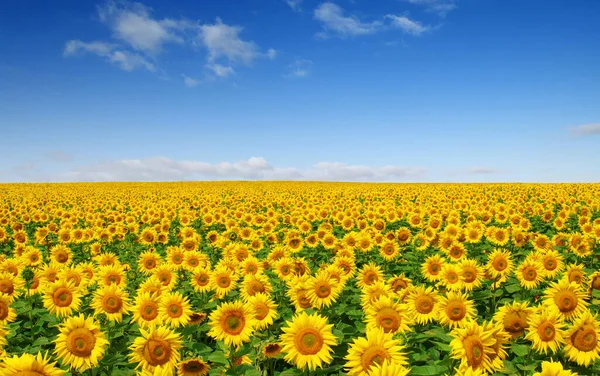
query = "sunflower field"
x=289 y=278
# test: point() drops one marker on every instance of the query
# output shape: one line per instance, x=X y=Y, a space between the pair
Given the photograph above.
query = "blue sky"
x=387 y=90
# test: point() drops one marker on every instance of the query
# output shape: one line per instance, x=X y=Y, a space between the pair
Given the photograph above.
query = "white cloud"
x=140 y=38
x=272 y=53
x=586 y=129
x=221 y=70
x=126 y=60
x=190 y=82
x=255 y=168
x=441 y=7
x=299 y=68
x=407 y=25
x=223 y=41
x=134 y=24
x=294 y=4
x=335 y=21
x=483 y=170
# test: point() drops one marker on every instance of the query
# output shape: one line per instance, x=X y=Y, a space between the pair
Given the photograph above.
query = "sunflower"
x=530 y=274
x=369 y=274
x=306 y=341
x=554 y=369
x=174 y=309
x=403 y=235
x=498 y=235
x=193 y=367
x=420 y=304
x=471 y=273
x=112 y=274
x=546 y=331
x=271 y=350
x=322 y=290
x=388 y=368
x=11 y=286
x=74 y=274
x=298 y=294
x=366 y=352
x=112 y=301
x=473 y=346
x=146 y=309
x=223 y=281
x=233 y=323
x=552 y=262
x=389 y=250
x=152 y=285
x=254 y=284
x=61 y=254
x=502 y=338
x=148 y=261
x=61 y=298
x=455 y=309
x=157 y=349
x=389 y=315
x=193 y=260
x=432 y=267
x=451 y=277
x=201 y=280
x=80 y=343
x=7 y=313
x=265 y=309
x=499 y=264
x=566 y=298
x=513 y=317
x=27 y=364
x=575 y=273
x=593 y=282
x=167 y=275
x=582 y=345
x=251 y=265
x=399 y=285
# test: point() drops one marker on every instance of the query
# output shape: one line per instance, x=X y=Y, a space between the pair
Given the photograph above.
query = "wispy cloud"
x=124 y=59
x=133 y=24
x=586 y=129
x=299 y=68
x=407 y=25
x=483 y=170
x=335 y=21
x=139 y=38
x=190 y=82
x=255 y=168
x=441 y=7
x=220 y=70
x=294 y=4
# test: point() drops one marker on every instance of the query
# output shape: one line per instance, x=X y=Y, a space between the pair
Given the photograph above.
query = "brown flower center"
x=157 y=351
x=456 y=310
x=566 y=301
x=262 y=310
x=308 y=341
x=546 y=331
x=149 y=311
x=112 y=303
x=530 y=273
x=424 y=304
x=233 y=323
x=515 y=323
x=81 y=342
x=585 y=339
x=62 y=297
x=372 y=356
x=388 y=319
x=474 y=350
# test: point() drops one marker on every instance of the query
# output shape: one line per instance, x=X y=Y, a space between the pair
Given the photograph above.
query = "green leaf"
x=218 y=357
x=428 y=370
x=519 y=350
